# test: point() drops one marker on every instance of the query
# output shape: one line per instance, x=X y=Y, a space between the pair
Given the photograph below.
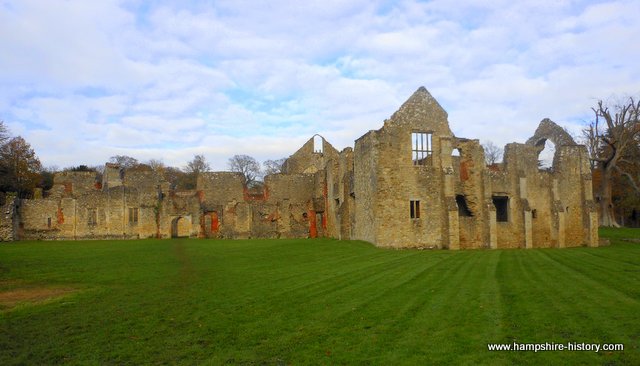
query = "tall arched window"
x=318 y=144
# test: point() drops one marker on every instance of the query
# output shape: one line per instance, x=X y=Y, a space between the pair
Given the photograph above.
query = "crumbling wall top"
x=220 y=187
x=421 y=111
x=549 y=130
x=75 y=182
x=142 y=177
x=70 y=176
x=311 y=157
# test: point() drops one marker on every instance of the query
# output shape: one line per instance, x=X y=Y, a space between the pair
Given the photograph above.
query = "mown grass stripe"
x=559 y=305
x=595 y=283
x=315 y=302
x=401 y=312
x=626 y=278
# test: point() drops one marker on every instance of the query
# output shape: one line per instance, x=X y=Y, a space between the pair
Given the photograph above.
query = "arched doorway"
x=181 y=227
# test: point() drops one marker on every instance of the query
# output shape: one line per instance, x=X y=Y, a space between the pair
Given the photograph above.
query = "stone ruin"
x=410 y=184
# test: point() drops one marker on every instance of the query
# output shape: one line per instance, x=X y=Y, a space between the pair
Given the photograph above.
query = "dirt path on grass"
x=33 y=295
x=187 y=274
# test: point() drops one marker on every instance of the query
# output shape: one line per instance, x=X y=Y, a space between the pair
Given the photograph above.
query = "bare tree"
x=4 y=133
x=246 y=165
x=273 y=166
x=492 y=153
x=156 y=165
x=189 y=179
x=198 y=165
x=124 y=161
x=177 y=178
x=608 y=138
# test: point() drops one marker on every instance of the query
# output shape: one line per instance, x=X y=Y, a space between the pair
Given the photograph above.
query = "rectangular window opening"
x=133 y=215
x=421 y=147
x=49 y=222
x=502 y=208
x=414 y=209
x=92 y=216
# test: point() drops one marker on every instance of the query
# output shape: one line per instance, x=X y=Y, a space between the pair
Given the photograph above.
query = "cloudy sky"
x=84 y=80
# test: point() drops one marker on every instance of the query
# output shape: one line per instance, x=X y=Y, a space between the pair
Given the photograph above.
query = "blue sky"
x=85 y=80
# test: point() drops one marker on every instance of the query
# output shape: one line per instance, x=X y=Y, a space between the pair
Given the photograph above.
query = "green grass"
x=298 y=302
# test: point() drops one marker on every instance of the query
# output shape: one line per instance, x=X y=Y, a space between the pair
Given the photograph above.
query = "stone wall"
x=385 y=171
x=74 y=183
x=409 y=184
x=469 y=192
x=341 y=196
x=291 y=196
x=8 y=219
x=462 y=202
x=366 y=187
x=311 y=157
x=220 y=187
x=40 y=219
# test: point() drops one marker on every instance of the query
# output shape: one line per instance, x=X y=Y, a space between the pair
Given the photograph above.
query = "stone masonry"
x=410 y=184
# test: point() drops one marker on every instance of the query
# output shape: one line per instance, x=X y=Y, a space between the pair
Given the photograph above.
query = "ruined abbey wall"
x=427 y=188
x=341 y=195
x=410 y=184
x=8 y=219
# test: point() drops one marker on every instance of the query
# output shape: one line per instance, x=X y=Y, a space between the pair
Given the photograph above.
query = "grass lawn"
x=256 y=302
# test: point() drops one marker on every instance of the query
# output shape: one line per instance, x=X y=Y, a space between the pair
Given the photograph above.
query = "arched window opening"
x=545 y=157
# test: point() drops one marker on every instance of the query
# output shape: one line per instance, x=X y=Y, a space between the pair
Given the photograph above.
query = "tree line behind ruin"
x=22 y=173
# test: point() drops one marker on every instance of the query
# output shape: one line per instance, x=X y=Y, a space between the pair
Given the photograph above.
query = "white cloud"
x=86 y=80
